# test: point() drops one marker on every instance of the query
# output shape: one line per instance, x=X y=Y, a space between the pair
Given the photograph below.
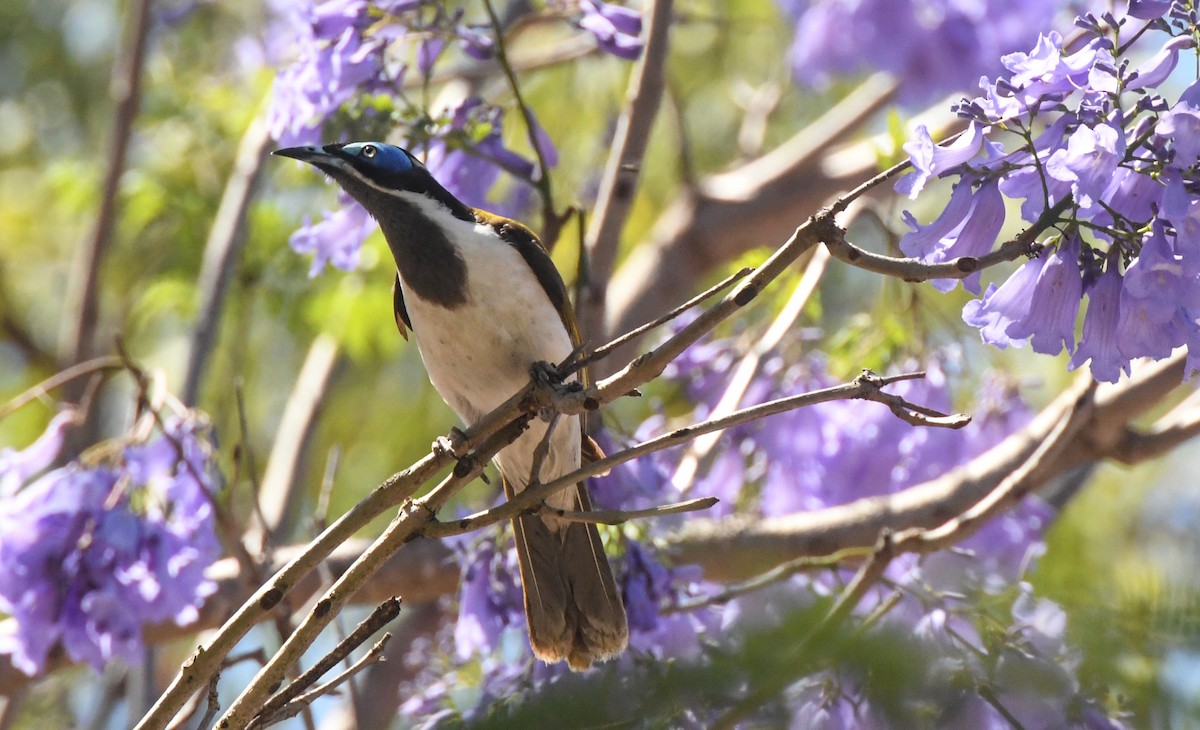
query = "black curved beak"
x=310 y=154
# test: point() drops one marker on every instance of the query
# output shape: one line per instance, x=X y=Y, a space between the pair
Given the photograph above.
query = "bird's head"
x=376 y=174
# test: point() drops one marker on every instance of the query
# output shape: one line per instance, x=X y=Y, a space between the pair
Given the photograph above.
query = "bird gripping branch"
x=484 y=302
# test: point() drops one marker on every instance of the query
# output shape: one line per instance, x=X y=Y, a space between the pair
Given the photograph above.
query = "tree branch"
x=226 y=239
x=81 y=310
x=414 y=515
x=383 y=614
x=275 y=497
x=865 y=387
x=620 y=517
x=733 y=212
x=618 y=185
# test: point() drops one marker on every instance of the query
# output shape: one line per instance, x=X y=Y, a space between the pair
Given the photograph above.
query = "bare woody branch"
x=730 y=213
x=222 y=250
x=414 y=515
x=737 y=549
x=82 y=306
x=618 y=185
x=1010 y=489
x=865 y=387
x=383 y=614
x=620 y=517
x=298 y=705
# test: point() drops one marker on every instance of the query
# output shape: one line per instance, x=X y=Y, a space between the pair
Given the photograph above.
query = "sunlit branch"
x=620 y=517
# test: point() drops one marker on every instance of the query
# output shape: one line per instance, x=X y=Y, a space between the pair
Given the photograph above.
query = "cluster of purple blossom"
x=92 y=551
x=346 y=50
x=806 y=459
x=930 y=47
x=1081 y=135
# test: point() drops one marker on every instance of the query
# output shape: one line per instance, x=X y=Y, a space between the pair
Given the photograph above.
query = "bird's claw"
x=447 y=444
x=546 y=373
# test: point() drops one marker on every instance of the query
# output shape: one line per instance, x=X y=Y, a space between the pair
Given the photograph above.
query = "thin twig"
x=675 y=313
x=747 y=367
x=109 y=363
x=226 y=239
x=82 y=307
x=913 y=270
x=320 y=515
x=620 y=517
x=862 y=387
x=212 y=705
x=778 y=574
x=246 y=450
x=551 y=222
x=542 y=450
x=373 y=656
x=383 y=614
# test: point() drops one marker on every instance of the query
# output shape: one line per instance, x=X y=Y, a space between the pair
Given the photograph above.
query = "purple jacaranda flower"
x=1039 y=301
x=88 y=554
x=1001 y=306
x=965 y=228
x=18 y=467
x=930 y=47
x=635 y=484
x=1045 y=73
x=644 y=587
x=1159 y=289
x=337 y=239
x=1148 y=9
x=930 y=160
x=1050 y=323
x=334 y=60
x=476 y=43
x=490 y=599
x=1133 y=194
x=617 y=29
x=1099 y=343
x=470 y=169
x=1181 y=127
x=428 y=53
x=467 y=175
x=1089 y=161
x=1156 y=70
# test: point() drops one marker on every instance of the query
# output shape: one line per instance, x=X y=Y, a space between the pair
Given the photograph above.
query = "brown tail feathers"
x=572 y=603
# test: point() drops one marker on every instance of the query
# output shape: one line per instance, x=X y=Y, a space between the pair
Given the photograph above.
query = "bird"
x=485 y=303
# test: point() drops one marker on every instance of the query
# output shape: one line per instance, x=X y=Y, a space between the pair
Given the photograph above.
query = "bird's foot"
x=451 y=445
x=546 y=373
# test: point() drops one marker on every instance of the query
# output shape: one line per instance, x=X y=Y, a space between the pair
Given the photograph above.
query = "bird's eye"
x=369 y=151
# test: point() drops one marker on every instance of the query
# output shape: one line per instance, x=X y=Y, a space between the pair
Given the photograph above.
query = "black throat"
x=432 y=267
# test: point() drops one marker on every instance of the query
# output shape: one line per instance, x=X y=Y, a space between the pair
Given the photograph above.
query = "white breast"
x=478 y=353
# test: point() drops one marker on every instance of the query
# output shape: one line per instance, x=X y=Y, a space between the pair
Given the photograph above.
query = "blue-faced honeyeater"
x=485 y=302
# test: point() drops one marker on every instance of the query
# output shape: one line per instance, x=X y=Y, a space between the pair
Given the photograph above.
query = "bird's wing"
x=403 y=323
x=531 y=249
x=538 y=258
